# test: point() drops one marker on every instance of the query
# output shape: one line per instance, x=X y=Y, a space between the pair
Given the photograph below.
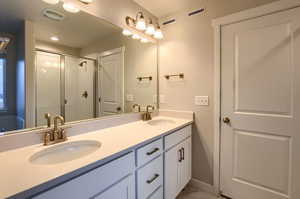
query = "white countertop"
x=18 y=174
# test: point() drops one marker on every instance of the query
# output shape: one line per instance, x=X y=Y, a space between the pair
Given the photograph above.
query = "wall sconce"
x=139 y=24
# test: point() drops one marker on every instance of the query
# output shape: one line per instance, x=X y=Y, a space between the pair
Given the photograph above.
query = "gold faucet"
x=137 y=105
x=56 y=134
x=147 y=115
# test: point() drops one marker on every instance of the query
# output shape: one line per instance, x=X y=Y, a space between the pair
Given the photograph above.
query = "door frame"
x=104 y=54
x=278 y=6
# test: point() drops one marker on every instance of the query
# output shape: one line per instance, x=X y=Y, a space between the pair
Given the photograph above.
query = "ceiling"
x=76 y=30
x=162 y=8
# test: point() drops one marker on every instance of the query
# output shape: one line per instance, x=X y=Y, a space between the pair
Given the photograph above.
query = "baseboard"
x=202 y=186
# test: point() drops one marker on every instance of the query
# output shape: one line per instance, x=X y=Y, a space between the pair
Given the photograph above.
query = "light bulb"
x=70 y=7
x=126 y=32
x=135 y=36
x=141 y=24
x=158 y=34
x=144 y=40
x=54 y=38
x=51 y=1
x=150 y=29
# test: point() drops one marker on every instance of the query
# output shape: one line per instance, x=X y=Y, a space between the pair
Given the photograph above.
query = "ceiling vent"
x=53 y=14
x=196 y=12
x=169 y=22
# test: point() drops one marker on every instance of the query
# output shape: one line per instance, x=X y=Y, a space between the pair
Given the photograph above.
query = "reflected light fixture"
x=140 y=22
x=71 y=7
x=136 y=36
x=54 y=38
x=158 y=33
x=51 y=1
x=126 y=32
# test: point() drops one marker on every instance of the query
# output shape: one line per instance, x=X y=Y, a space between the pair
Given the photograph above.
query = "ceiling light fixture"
x=51 y=1
x=71 y=7
x=139 y=25
x=126 y=32
x=54 y=38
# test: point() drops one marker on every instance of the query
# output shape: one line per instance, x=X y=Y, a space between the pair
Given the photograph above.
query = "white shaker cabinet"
x=177 y=163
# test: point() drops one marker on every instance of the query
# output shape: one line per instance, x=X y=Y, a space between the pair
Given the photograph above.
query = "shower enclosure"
x=65 y=85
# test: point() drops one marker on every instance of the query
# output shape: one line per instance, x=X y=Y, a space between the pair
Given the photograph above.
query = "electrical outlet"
x=129 y=98
x=201 y=100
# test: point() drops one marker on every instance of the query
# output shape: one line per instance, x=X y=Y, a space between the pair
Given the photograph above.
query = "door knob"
x=119 y=109
x=226 y=120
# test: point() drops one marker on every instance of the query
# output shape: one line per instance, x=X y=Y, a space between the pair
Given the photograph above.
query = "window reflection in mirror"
x=80 y=67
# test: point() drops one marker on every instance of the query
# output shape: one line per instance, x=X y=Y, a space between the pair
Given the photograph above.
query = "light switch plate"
x=129 y=98
x=201 y=100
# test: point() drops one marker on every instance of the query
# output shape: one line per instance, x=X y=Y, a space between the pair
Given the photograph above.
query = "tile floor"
x=194 y=193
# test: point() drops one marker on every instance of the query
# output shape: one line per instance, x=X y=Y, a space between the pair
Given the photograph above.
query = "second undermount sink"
x=65 y=152
x=160 y=122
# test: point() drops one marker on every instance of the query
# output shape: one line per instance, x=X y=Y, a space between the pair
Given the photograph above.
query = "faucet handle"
x=149 y=106
x=137 y=105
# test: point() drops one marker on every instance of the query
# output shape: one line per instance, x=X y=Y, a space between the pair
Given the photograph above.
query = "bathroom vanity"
x=141 y=159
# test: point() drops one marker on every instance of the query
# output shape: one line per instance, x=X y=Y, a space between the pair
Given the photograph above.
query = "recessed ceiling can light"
x=86 y=1
x=135 y=36
x=71 y=7
x=144 y=40
x=51 y=1
x=126 y=32
x=54 y=38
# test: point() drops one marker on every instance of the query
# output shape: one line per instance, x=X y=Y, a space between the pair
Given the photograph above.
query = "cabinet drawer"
x=149 y=178
x=158 y=194
x=178 y=136
x=149 y=152
x=93 y=182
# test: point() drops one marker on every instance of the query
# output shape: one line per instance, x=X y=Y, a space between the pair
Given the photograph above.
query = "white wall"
x=188 y=48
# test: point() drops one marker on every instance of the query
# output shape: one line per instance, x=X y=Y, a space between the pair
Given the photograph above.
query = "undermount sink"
x=160 y=122
x=65 y=152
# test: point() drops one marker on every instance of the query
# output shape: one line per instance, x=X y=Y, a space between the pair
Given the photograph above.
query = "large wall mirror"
x=70 y=64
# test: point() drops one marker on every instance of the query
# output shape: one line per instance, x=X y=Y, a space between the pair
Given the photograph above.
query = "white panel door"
x=111 y=84
x=47 y=86
x=260 y=132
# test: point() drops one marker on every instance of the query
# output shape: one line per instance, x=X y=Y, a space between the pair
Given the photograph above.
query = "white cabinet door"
x=185 y=164
x=122 y=190
x=172 y=172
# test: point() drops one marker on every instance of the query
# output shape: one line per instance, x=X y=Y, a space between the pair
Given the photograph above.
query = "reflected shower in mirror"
x=70 y=64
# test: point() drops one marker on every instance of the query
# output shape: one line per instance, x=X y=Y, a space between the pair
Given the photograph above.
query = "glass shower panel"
x=48 y=86
x=79 y=88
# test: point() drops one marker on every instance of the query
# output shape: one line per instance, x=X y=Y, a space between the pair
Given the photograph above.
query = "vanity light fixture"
x=71 y=7
x=140 y=21
x=127 y=32
x=54 y=38
x=158 y=33
x=51 y=1
x=150 y=28
x=139 y=25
